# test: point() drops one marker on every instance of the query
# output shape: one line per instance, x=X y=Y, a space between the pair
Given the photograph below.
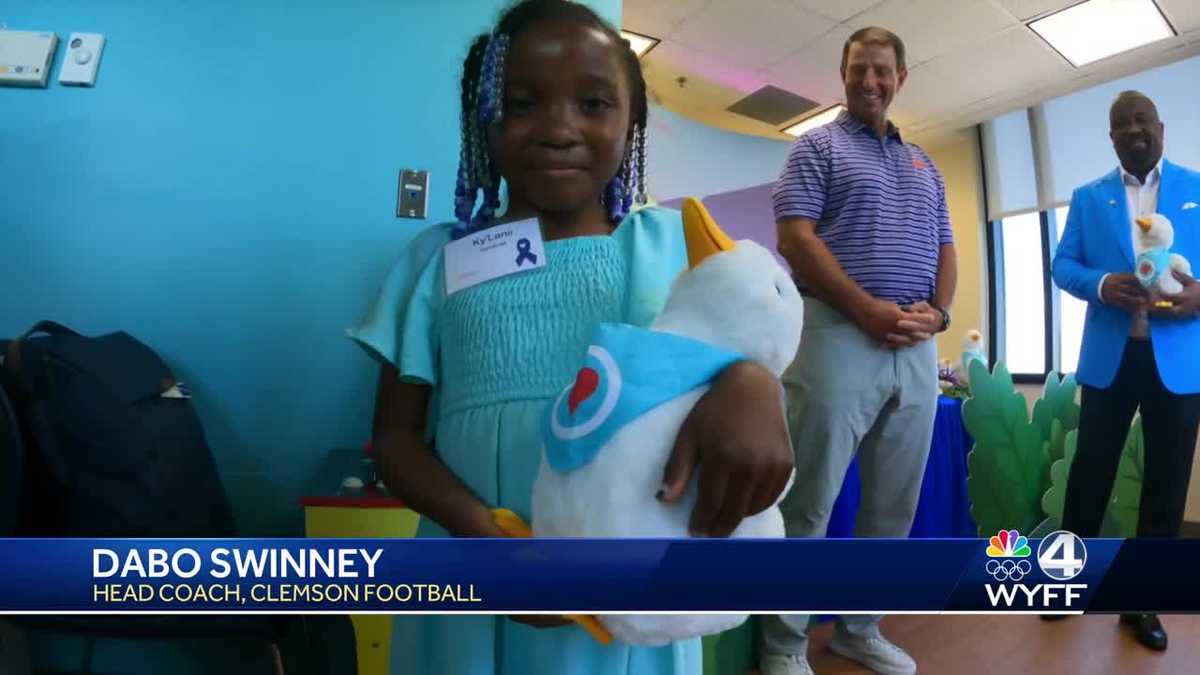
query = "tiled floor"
x=1005 y=645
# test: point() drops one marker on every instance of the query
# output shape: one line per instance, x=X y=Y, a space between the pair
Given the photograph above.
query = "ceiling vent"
x=772 y=105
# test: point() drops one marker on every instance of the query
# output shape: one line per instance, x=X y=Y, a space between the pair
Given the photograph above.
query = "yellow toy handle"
x=513 y=526
x=511 y=523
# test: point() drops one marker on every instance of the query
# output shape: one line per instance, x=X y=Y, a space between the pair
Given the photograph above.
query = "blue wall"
x=227 y=194
x=685 y=158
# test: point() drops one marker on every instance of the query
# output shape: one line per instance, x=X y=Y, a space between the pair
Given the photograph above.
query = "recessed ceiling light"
x=818 y=119
x=640 y=43
x=1097 y=29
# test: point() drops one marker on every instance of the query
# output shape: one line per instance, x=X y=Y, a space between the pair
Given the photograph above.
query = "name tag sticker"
x=493 y=253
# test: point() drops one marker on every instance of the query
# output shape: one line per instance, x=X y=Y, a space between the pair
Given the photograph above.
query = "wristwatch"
x=945 y=317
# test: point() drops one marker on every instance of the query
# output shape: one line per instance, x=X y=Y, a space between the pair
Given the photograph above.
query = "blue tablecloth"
x=944 y=508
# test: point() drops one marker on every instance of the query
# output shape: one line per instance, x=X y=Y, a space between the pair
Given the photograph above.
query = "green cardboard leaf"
x=1057 y=403
x=1018 y=468
x=1052 y=501
x=1007 y=469
x=1044 y=528
x=1120 y=519
x=1056 y=446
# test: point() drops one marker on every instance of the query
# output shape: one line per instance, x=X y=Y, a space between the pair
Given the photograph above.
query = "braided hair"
x=477 y=189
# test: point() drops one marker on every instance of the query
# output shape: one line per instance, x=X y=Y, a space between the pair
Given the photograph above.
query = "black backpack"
x=104 y=444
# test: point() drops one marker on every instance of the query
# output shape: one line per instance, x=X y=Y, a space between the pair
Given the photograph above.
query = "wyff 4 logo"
x=1061 y=556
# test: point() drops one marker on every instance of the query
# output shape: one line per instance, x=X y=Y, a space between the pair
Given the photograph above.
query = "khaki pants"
x=846 y=394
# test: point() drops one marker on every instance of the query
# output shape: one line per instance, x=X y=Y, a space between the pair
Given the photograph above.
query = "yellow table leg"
x=372 y=632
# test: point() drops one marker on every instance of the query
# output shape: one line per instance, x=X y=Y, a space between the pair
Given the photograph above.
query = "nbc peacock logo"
x=1003 y=550
x=1008 y=561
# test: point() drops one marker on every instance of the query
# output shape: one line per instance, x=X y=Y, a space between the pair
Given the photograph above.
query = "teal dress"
x=495 y=354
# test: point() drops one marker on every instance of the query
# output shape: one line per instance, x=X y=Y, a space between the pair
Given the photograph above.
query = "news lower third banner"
x=1006 y=573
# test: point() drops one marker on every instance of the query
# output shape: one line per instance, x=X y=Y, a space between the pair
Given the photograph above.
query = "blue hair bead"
x=491 y=81
x=614 y=199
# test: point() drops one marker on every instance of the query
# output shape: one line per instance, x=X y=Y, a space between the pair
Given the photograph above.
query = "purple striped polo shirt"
x=879 y=205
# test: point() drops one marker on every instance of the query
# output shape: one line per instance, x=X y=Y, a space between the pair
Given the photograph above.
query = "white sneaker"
x=874 y=652
x=784 y=664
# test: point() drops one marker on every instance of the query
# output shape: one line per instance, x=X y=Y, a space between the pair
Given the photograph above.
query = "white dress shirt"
x=1141 y=199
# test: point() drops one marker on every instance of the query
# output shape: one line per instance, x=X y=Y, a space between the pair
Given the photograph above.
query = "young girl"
x=555 y=105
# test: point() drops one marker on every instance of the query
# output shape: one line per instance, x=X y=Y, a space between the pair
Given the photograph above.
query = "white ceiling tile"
x=700 y=98
x=1013 y=60
x=971 y=113
x=669 y=60
x=969 y=59
x=1184 y=15
x=813 y=72
x=930 y=28
x=930 y=90
x=761 y=37
x=1025 y=10
x=656 y=17
x=697 y=95
x=1014 y=98
x=838 y=10
x=1005 y=66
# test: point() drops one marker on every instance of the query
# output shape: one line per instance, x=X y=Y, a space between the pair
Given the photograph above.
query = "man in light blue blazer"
x=1134 y=354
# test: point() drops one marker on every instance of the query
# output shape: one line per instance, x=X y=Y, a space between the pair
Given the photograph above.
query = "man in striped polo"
x=862 y=221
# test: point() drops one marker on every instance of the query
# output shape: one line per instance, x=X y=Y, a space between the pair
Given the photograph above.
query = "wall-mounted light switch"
x=413 y=198
x=82 y=60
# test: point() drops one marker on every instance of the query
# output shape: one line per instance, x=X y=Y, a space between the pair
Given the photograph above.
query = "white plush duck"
x=609 y=434
x=1155 y=262
x=972 y=346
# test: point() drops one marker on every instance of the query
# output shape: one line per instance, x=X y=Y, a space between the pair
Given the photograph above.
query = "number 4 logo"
x=1061 y=555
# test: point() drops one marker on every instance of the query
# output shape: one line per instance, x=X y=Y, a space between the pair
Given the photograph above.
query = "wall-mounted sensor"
x=25 y=57
x=82 y=60
x=413 y=198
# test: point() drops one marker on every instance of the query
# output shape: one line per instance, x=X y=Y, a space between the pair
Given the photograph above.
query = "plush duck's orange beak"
x=1144 y=223
x=513 y=526
x=702 y=234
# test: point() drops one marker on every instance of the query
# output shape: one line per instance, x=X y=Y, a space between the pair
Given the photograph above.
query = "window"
x=1024 y=318
x=1071 y=311
x=1029 y=335
x=1031 y=162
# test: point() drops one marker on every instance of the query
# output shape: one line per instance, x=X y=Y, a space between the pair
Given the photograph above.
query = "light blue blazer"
x=1097 y=240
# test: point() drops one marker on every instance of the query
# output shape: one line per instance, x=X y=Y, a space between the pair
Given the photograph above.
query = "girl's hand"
x=738 y=435
x=410 y=467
